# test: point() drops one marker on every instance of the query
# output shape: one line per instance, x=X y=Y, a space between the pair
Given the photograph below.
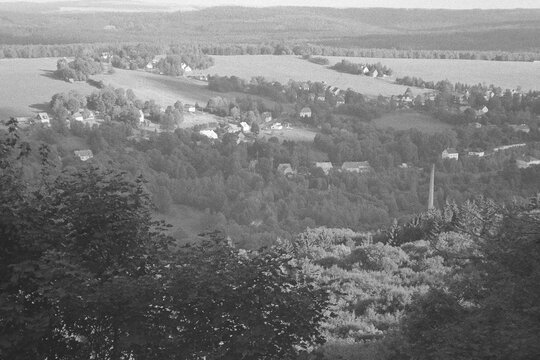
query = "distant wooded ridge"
x=417 y=29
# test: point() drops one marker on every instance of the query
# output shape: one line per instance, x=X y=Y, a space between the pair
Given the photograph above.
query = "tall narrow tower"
x=431 y=187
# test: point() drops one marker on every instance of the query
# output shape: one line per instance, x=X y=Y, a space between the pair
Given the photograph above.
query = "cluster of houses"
x=287 y=170
x=522 y=162
x=359 y=167
x=242 y=130
x=153 y=63
x=321 y=96
x=41 y=118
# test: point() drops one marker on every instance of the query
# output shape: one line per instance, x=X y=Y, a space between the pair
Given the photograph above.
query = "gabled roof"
x=450 y=151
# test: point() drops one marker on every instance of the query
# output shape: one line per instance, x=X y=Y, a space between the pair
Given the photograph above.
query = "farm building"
x=450 y=154
x=276 y=126
x=325 y=166
x=305 y=113
x=84 y=155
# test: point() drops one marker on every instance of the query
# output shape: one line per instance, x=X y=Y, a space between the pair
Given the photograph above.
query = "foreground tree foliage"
x=86 y=274
x=488 y=306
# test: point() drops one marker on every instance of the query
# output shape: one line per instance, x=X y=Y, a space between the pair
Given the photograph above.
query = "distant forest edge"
x=468 y=34
x=276 y=48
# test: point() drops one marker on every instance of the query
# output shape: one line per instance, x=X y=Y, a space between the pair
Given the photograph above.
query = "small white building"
x=211 y=134
x=477 y=153
x=305 y=113
x=43 y=118
x=356 y=166
x=450 y=153
x=84 y=155
x=245 y=127
x=276 y=126
x=190 y=108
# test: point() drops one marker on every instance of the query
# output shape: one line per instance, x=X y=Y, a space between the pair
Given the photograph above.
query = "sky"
x=446 y=4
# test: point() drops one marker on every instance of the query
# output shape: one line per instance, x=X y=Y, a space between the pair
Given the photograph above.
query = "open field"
x=283 y=68
x=506 y=74
x=405 y=120
x=27 y=86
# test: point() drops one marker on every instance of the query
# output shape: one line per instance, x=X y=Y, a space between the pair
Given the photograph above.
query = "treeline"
x=375 y=70
x=77 y=70
x=316 y=60
x=174 y=63
x=278 y=48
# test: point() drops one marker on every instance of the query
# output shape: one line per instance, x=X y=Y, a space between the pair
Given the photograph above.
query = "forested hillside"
x=472 y=30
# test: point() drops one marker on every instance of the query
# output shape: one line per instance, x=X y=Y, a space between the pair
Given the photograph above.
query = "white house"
x=190 y=108
x=305 y=113
x=276 y=126
x=211 y=134
x=84 y=154
x=375 y=73
x=245 y=127
x=43 y=118
x=450 y=154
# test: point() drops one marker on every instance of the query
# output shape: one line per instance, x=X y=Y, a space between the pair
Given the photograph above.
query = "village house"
x=286 y=169
x=375 y=73
x=189 y=108
x=276 y=126
x=506 y=147
x=340 y=101
x=186 y=67
x=325 y=166
x=321 y=98
x=521 y=128
x=245 y=127
x=360 y=167
x=305 y=112
x=84 y=155
x=476 y=152
x=43 y=118
x=481 y=112
x=211 y=134
x=450 y=153
x=364 y=70
x=527 y=161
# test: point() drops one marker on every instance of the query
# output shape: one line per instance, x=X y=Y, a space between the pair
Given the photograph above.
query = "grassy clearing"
x=27 y=86
x=506 y=74
x=284 y=68
x=405 y=120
